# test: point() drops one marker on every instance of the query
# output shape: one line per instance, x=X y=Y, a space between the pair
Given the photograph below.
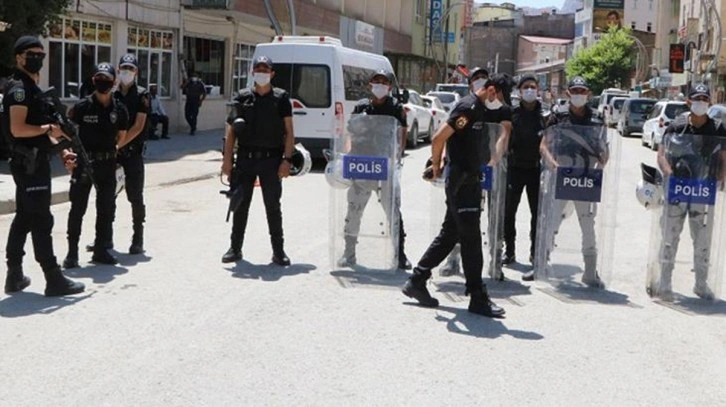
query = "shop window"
x=154 y=52
x=242 y=66
x=206 y=57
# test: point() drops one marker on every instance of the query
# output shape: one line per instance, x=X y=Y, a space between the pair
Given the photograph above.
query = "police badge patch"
x=113 y=116
x=19 y=95
x=461 y=122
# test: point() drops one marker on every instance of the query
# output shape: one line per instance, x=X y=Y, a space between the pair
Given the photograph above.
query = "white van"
x=605 y=98
x=325 y=81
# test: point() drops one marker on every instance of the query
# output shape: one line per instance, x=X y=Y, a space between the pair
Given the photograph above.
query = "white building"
x=641 y=15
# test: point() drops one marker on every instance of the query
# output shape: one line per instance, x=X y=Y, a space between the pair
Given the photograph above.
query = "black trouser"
x=245 y=173
x=32 y=214
x=156 y=119
x=517 y=180
x=104 y=173
x=133 y=163
x=191 y=111
x=461 y=225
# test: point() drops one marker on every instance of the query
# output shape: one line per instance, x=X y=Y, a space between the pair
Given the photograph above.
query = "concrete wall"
x=549 y=25
x=486 y=42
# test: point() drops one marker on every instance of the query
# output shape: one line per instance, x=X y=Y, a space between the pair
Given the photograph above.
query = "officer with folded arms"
x=264 y=150
x=25 y=122
x=102 y=120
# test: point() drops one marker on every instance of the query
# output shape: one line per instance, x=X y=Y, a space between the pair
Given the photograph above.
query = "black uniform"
x=389 y=107
x=523 y=171
x=131 y=158
x=98 y=127
x=260 y=151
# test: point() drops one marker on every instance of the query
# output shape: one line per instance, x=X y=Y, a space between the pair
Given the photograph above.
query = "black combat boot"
x=481 y=304
x=71 y=260
x=58 y=284
x=16 y=280
x=106 y=245
x=278 y=253
x=103 y=257
x=234 y=253
x=137 y=240
x=415 y=288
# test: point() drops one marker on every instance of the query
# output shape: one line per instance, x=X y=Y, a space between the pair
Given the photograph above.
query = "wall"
x=486 y=42
x=549 y=25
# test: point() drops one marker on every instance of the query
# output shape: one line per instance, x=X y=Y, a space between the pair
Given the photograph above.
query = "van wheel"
x=653 y=144
x=642 y=141
x=430 y=133
x=413 y=136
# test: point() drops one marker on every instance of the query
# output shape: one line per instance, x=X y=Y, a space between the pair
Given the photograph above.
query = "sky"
x=528 y=3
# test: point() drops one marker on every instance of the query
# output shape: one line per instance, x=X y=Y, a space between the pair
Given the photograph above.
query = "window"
x=649 y=27
x=420 y=12
x=75 y=48
x=632 y=25
x=356 y=82
x=206 y=57
x=656 y=111
x=640 y=107
x=309 y=84
x=153 y=50
x=242 y=66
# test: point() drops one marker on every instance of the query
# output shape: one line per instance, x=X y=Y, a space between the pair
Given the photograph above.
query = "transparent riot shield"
x=693 y=169
x=493 y=182
x=364 y=216
x=577 y=205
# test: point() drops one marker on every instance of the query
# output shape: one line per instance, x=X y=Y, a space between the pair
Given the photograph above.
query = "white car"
x=605 y=98
x=613 y=109
x=663 y=113
x=419 y=118
x=448 y=99
x=437 y=111
x=561 y=106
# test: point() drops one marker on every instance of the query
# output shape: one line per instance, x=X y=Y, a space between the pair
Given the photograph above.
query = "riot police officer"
x=579 y=114
x=382 y=103
x=102 y=120
x=131 y=147
x=461 y=135
x=32 y=135
x=710 y=156
x=523 y=164
x=264 y=150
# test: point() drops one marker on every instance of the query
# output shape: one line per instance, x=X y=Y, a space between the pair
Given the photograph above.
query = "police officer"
x=31 y=135
x=523 y=169
x=264 y=151
x=579 y=114
x=196 y=92
x=102 y=120
x=131 y=147
x=461 y=224
x=700 y=218
x=382 y=103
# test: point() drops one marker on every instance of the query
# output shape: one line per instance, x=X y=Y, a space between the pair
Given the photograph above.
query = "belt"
x=258 y=154
x=102 y=156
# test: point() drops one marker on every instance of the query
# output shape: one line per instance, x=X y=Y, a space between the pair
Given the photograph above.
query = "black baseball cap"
x=578 y=82
x=477 y=71
x=384 y=73
x=263 y=60
x=105 y=69
x=525 y=78
x=699 y=89
x=128 y=60
x=27 y=42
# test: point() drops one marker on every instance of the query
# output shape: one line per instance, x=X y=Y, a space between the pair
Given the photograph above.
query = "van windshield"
x=462 y=90
x=610 y=96
x=641 y=106
x=308 y=83
x=672 y=110
x=444 y=97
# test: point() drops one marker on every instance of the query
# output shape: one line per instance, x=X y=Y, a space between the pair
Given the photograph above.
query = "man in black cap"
x=32 y=135
x=680 y=161
x=196 y=92
x=131 y=147
x=523 y=164
x=265 y=144
x=463 y=137
x=381 y=103
x=102 y=121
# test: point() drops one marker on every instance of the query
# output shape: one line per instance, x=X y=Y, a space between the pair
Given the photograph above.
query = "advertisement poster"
x=606 y=14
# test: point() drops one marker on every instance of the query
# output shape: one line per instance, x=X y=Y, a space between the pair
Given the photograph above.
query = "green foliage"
x=608 y=63
x=28 y=17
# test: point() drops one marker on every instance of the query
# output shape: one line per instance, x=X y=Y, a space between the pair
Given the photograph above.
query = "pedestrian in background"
x=196 y=92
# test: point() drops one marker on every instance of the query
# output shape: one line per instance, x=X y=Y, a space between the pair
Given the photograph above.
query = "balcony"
x=208 y=4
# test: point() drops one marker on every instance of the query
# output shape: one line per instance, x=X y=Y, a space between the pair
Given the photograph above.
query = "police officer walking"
x=131 y=147
x=102 y=120
x=31 y=136
x=382 y=103
x=463 y=139
x=195 y=92
x=523 y=161
x=264 y=150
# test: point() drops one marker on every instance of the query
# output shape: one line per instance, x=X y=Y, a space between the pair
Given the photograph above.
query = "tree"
x=27 y=17
x=608 y=63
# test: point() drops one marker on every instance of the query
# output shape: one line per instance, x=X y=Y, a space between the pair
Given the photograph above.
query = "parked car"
x=448 y=99
x=633 y=115
x=717 y=112
x=612 y=110
x=605 y=98
x=593 y=104
x=437 y=111
x=419 y=118
x=460 y=88
x=663 y=113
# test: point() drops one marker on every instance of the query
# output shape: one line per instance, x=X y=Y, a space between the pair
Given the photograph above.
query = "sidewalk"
x=158 y=153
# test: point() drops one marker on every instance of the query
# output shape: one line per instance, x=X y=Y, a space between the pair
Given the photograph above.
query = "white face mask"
x=699 y=108
x=578 y=100
x=262 y=78
x=529 y=95
x=379 y=90
x=126 y=77
x=477 y=84
x=493 y=105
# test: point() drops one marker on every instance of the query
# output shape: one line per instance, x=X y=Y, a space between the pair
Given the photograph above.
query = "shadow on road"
x=361 y=277
x=100 y=274
x=496 y=289
x=465 y=323
x=695 y=306
x=268 y=272
x=24 y=303
x=576 y=293
x=132 y=259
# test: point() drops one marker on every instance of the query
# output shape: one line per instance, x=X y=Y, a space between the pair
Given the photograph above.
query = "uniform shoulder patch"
x=19 y=95
x=461 y=122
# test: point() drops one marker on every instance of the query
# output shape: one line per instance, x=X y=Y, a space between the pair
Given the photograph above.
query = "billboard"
x=606 y=14
x=435 y=23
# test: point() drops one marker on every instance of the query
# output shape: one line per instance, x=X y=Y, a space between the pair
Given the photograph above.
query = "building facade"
x=544 y=57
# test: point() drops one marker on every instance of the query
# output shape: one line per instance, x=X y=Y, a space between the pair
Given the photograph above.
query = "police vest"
x=265 y=127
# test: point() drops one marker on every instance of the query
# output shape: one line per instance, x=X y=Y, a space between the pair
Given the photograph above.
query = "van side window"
x=308 y=83
x=356 y=82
